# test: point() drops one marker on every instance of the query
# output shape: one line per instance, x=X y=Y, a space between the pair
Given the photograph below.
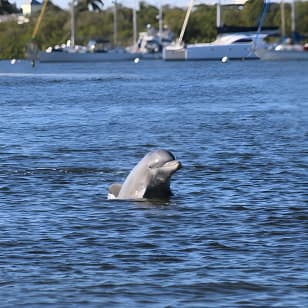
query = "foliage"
x=205 y=33
x=251 y=12
x=7 y=8
x=15 y=39
x=98 y=23
x=91 y=5
x=302 y=18
x=54 y=30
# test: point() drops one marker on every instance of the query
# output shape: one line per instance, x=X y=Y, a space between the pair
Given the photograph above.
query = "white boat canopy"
x=222 y=2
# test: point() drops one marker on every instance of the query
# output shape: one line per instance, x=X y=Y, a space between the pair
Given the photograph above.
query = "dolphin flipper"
x=113 y=190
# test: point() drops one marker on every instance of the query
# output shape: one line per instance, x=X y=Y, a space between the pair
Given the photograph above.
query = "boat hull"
x=267 y=54
x=238 y=46
x=57 y=56
x=174 y=53
x=210 y=52
x=217 y=52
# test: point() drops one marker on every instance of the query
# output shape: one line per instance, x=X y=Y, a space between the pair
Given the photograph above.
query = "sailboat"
x=95 y=51
x=231 y=42
x=286 y=48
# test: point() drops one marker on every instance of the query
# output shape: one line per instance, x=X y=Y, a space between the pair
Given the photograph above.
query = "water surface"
x=234 y=234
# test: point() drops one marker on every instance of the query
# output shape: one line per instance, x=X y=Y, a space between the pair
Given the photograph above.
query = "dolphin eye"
x=154 y=165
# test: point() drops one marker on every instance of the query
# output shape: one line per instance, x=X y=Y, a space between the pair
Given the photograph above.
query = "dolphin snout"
x=174 y=164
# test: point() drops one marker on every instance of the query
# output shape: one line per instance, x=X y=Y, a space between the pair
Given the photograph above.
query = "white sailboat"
x=286 y=48
x=231 y=43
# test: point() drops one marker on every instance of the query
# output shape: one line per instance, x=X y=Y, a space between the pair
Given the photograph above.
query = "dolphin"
x=149 y=179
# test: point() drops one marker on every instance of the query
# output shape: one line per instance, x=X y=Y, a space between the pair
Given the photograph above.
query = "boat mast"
x=283 y=19
x=32 y=46
x=293 y=16
x=115 y=24
x=39 y=20
x=134 y=25
x=218 y=14
x=73 y=24
x=160 y=22
x=185 y=21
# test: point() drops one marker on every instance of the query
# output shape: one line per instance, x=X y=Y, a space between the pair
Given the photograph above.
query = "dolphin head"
x=162 y=162
x=161 y=166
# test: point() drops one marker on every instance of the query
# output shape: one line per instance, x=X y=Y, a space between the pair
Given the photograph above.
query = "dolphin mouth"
x=172 y=165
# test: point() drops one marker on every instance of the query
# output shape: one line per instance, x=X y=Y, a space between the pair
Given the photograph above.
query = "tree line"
x=97 y=23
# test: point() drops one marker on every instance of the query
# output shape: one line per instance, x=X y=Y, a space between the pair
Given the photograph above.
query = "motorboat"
x=237 y=46
x=231 y=43
x=151 y=42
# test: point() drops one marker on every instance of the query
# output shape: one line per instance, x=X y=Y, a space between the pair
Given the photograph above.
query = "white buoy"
x=13 y=61
x=224 y=59
x=136 y=60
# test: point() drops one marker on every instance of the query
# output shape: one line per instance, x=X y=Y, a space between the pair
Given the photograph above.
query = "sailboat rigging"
x=287 y=48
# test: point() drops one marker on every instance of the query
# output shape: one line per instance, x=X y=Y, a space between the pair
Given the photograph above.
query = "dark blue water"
x=233 y=235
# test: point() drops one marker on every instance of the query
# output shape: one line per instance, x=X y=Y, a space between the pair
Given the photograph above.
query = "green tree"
x=7 y=8
x=174 y=17
x=251 y=12
x=15 y=38
x=202 y=25
x=147 y=14
x=301 y=10
x=55 y=27
x=89 y=5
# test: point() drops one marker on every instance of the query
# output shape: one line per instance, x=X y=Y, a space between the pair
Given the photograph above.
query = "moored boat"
x=90 y=53
x=231 y=42
x=151 y=43
x=283 y=52
x=95 y=51
x=287 y=48
x=236 y=45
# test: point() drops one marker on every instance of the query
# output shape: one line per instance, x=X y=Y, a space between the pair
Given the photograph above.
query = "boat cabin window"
x=243 y=40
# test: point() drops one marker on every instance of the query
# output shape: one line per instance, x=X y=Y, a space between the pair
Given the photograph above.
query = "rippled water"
x=233 y=235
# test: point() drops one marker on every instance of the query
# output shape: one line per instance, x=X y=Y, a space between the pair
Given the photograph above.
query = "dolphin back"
x=149 y=179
